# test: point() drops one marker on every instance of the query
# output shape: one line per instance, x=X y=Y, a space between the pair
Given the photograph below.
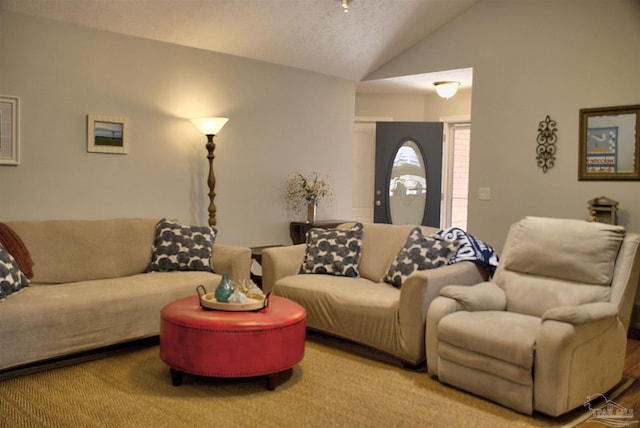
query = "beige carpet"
x=336 y=385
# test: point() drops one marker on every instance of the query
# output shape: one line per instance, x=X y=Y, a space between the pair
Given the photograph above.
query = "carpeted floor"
x=337 y=384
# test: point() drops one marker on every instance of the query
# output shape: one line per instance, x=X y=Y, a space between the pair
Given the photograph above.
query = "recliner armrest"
x=581 y=314
x=485 y=296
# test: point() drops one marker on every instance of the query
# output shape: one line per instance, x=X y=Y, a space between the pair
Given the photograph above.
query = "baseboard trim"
x=77 y=358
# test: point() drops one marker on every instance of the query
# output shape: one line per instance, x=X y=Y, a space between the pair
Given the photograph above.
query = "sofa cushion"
x=182 y=248
x=109 y=248
x=419 y=253
x=45 y=321
x=333 y=251
x=352 y=308
x=380 y=245
x=11 y=278
x=506 y=336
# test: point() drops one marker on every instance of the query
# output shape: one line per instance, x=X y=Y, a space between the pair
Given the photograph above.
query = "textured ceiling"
x=314 y=35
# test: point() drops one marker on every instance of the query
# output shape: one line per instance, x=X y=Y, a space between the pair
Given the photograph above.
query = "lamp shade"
x=446 y=89
x=210 y=125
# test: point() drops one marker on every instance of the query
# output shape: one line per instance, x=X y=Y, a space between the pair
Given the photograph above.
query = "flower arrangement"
x=309 y=189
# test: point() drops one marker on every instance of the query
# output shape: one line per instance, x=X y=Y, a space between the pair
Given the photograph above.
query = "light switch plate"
x=484 y=193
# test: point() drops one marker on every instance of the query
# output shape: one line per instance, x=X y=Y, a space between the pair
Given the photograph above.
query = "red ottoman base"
x=232 y=344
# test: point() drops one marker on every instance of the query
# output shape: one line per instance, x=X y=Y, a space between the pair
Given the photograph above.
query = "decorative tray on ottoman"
x=209 y=301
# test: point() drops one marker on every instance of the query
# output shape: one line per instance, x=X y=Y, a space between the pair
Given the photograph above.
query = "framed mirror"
x=609 y=143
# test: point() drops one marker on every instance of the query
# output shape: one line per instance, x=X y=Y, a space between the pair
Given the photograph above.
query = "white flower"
x=309 y=189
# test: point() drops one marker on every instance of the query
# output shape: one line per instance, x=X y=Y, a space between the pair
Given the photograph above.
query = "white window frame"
x=450 y=123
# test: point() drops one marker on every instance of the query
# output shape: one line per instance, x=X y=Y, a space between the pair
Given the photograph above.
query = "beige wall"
x=426 y=106
x=530 y=58
x=281 y=119
x=398 y=107
x=533 y=58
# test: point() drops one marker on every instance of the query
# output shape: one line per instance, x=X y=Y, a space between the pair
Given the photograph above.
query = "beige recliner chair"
x=550 y=327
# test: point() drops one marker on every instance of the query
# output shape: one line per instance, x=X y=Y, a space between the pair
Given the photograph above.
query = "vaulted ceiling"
x=314 y=35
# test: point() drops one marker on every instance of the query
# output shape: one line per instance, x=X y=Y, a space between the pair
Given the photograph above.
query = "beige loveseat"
x=90 y=290
x=365 y=309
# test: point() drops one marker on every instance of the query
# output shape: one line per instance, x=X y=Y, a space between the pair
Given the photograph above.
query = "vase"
x=311 y=212
x=225 y=289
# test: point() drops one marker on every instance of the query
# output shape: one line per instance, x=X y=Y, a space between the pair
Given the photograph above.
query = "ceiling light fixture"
x=345 y=5
x=446 y=89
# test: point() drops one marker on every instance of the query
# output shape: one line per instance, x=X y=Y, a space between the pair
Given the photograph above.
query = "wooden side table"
x=298 y=229
x=256 y=254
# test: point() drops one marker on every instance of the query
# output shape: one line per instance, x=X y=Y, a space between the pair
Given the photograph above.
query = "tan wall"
x=530 y=58
x=426 y=106
x=281 y=119
x=399 y=107
x=533 y=58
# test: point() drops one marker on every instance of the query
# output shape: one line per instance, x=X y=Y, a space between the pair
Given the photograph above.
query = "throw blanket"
x=471 y=249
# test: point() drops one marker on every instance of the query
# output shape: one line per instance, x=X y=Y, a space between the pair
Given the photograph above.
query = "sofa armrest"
x=581 y=314
x=485 y=296
x=421 y=288
x=235 y=260
x=278 y=262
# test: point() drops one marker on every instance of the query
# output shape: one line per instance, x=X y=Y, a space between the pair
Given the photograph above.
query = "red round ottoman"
x=232 y=344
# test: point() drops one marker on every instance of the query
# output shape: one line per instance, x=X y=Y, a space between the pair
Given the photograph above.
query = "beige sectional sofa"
x=90 y=290
x=365 y=309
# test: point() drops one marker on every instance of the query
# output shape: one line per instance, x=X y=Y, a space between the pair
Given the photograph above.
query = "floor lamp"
x=210 y=126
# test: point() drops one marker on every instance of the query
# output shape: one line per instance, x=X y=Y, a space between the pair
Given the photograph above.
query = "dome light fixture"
x=345 y=6
x=446 y=89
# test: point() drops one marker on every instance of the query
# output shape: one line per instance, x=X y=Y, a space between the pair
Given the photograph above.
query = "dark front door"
x=408 y=177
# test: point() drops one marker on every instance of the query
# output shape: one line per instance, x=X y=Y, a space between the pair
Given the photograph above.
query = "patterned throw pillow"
x=333 y=251
x=179 y=247
x=11 y=278
x=419 y=253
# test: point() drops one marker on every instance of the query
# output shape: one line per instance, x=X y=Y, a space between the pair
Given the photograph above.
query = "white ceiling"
x=314 y=35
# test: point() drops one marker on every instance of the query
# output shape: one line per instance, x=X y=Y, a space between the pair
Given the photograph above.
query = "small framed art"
x=609 y=143
x=9 y=130
x=107 y=134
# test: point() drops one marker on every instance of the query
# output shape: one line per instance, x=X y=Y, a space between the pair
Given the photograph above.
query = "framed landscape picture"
x=107 y=134
x=9 y=130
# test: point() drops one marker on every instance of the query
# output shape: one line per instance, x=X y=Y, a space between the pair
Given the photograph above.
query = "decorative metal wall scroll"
x=546 y=144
